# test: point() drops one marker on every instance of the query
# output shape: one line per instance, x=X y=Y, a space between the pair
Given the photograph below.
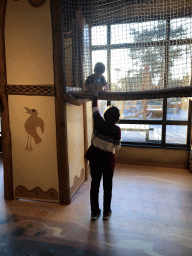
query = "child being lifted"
x=97 y=78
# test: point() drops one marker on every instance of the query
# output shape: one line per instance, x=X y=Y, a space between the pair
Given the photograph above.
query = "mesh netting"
x=144 y=45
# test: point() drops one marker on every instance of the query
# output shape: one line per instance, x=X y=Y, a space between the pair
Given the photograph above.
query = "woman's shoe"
x=107 y=215
x=94 y=216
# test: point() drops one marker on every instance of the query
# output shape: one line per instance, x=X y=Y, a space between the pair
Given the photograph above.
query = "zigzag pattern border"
x=37 y=192
x=77 y=182
x=48 y=90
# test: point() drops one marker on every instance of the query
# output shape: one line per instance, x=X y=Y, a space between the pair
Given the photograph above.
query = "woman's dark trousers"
x=99 y=169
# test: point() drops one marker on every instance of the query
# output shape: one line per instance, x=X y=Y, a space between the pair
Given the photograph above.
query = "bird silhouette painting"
x=31 y=125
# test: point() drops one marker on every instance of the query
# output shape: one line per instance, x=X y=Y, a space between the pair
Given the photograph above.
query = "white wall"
x=89 y=121
x=75 y=134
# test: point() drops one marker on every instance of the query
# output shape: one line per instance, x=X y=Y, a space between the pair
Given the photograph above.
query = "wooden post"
x=5 y=126
x=85 y=139
x=60 y=104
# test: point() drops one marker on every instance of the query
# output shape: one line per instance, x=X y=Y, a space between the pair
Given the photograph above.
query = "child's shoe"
x=107 y=215
x=94 y=216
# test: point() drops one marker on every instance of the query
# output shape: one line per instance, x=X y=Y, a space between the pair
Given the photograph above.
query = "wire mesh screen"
x=144 y=45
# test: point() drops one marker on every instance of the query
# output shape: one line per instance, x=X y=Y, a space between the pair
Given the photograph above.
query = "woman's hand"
x=96 y=88
x=78 y=102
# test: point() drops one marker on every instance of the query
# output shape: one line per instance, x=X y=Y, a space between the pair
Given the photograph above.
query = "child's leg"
x=107 y=186
x=96 y=175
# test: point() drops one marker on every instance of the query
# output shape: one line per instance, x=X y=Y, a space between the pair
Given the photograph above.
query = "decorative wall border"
x=37 y=192
x=37 y=3
x=48 y=90
x=77 y=182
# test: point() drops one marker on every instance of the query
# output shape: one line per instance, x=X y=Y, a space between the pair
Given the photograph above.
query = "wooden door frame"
x=5 y=125
x=60 y=104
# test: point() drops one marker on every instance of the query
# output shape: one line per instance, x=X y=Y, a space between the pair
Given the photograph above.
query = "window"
x=144 y=122
x=147 y=56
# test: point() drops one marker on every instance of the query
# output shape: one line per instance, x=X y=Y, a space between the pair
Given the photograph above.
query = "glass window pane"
x=179 y=66
x=86 y=51
x=176 y=134
x=138 y=32
x=102 y=105
x=181 y=28
x=137 y=69
x=140 y=109
x=99 y=35
x=100 y=56
x=121 y=64
x=140 y=133
x=121 y=34
x=177 y=109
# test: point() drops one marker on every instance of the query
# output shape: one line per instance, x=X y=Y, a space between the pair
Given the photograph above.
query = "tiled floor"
x=151 y=215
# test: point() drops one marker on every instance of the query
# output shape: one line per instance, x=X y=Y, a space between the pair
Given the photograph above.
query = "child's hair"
x=112 y=115
x=99 y=68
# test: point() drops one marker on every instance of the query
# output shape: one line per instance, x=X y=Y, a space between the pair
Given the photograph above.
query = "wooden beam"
x=137 y=95
x=72 y=100
x=60 y=104
x=5 y=125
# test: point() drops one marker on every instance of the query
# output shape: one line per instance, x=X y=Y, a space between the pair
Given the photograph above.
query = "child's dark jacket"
x=91 y=79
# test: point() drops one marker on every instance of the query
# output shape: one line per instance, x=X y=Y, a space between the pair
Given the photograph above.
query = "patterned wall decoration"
x=77 y=182
x=36 y=193
x=31 y=125
x=46 y=90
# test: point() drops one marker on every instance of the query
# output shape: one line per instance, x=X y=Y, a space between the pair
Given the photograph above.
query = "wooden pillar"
x=85 y=139
x=60 y=104
x=5 y=126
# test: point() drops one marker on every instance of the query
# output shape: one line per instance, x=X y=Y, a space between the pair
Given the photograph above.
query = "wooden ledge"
x=135 y=95
x=74 y=100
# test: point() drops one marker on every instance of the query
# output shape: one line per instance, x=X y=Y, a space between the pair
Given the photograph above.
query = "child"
x=101 y=155
x=97 y=77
